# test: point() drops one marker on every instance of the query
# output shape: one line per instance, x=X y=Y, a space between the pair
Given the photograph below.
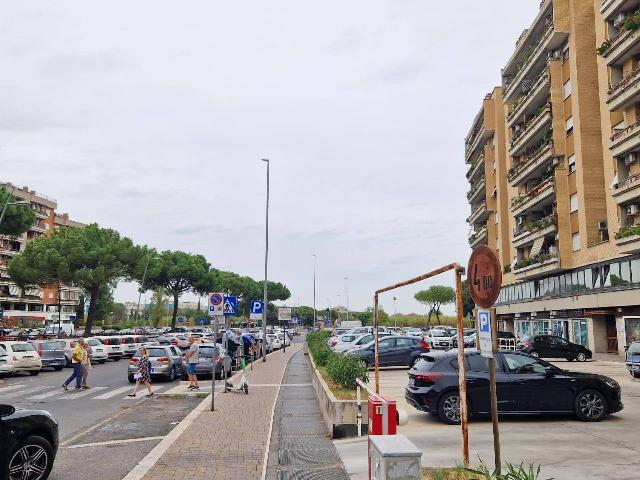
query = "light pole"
x=7 y=203
x=395 y=313
x=315 y=258
x=330 y=314
x=337 y=305
x=266 y=260
x=144 y=277
x=346 y=292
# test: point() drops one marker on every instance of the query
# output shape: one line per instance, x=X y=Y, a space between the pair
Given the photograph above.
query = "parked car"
x=359 y=342
x=129 y=346
x=113 y=346
x=336 y=342
x=285 y=340
x=5 y=367
x=632 y=359
x=22 y=357
x=178 y=339
x=394 y=350
x=413 y=332
x=51 y=353
x=525 y=385
x=165 y=360
x=28 y=443
x=98 y=352
x=438 y=339
x=275 y=342
x=205 y=362
x=469 y=336
x=551 y=346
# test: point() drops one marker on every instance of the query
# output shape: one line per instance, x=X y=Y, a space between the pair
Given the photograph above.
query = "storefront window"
x=635 y=270
x=625 y=273
x=605 y=280
x=580 y=333
x=614 y=275
x=588 y=278
x=563 y=284
x=632 y=329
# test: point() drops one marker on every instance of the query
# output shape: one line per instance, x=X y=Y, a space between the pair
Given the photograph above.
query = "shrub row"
x=342 y=369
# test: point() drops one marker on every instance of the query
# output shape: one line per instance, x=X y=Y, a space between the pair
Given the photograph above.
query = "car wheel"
x=101 y=362
x=33 y=373
x=131 y=379
x=172 y=375
x=534 y=354
x=116 y=359
x=57 y=368
x=449 y=408
x=33 y=459
x=635 y=374
x=581 y=357
x=570 y=359
x=590 y=406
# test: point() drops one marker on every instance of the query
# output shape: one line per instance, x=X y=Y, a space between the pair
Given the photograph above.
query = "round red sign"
x=484 y=276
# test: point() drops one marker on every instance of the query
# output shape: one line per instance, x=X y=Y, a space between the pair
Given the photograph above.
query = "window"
x=521 y=364
x=567 y=89
x=569 y=125
x=406 y=342
x=565 y=52
x=572 y=163
x=477 y=363
x=573 y=203
x=575 y=242
x=387 y=343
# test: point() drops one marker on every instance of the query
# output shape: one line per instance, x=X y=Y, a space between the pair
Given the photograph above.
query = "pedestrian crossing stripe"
x=28 y=390
x=25 y=392
x=113 y=393
x=74 y=395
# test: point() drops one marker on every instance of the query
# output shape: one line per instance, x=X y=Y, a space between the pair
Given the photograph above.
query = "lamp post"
x=266 y=260
x=337 y=305
x=346 y=292
x=395 y=313
x=144 y=277
x=7 y=203
x=315 y=258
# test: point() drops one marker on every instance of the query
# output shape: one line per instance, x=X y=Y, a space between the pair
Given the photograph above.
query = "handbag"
x=137 y=376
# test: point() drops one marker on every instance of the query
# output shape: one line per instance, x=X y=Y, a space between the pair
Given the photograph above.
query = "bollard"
x=393 y=457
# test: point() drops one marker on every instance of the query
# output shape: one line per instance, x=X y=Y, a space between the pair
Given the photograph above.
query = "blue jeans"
x=77 y=374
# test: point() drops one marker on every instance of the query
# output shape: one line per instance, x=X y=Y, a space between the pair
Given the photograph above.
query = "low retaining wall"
x=340 y=416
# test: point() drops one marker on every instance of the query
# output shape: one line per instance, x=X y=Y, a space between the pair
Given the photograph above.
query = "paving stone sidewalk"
x=230 y=442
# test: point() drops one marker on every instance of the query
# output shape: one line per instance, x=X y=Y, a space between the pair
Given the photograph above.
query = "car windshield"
x=207 y=351
x=49 y=346
x=634 y=347
x=3 y=352
x=111 y=341
x=22 y=347
x=438 y=333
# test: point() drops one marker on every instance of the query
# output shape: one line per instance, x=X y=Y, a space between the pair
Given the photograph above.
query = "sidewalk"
x=229 y=443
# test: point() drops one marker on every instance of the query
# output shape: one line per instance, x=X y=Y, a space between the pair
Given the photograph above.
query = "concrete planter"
x=340 y=416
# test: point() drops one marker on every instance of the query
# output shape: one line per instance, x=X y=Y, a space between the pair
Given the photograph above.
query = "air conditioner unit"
x=618 y=22
x=602 y=225
x=630 y=158
x=633 y=210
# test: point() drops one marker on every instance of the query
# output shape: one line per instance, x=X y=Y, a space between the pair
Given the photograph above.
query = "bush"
x=345 y=369
x=317 y=342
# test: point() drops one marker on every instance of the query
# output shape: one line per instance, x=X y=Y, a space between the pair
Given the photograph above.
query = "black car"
x=551 y=346
x=393 y=351
x=28 y=443
x=525 y=385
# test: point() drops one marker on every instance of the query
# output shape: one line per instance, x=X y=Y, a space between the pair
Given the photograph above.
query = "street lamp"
x=395 y=313
x=337 y=305
x=315 y=258
x=346 y=291
x=7 y=203
x=144 y=277
x=266 y=260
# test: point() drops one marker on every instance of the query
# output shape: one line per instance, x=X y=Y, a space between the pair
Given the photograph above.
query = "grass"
x=338 y=391
x=455 y=473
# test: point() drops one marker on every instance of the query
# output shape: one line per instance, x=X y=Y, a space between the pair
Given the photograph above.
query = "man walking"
x=86 y=364
x=77 y=355
x=192 y=357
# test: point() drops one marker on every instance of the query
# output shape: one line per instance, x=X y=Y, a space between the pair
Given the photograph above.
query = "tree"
x=177 y=273
x=467 y=302
x=91 y=258
x=80 y=309
x=435 y=297
x=157 y=309
x=17 y=218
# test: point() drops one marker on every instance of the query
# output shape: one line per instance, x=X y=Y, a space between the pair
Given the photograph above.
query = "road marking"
x=142 y=391
x=12 y=387
x=28 y=390
x=113 y=393
x=115 y=442
x=42 y=396
x=89 y=391
x=283 y=385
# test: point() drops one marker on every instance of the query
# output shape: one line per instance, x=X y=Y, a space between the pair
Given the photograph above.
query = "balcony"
x=533 y=166
x=537 y=267
x=478 y=139
x=478 y=238
x=533 y=131
x=38 y=228
x=538 y=94
x=475 y=169
x=610 y=7
x=627 y=189
x=480 y=214
x=477 y=191
x=626 y=92
x=526 y=233
x=622 y=47
x=625 y=140
x=536 y=198
x=534 y=61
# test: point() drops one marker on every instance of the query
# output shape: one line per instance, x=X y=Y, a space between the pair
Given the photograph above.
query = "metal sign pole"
x=494 y=395
x=462 y=377
x=215 y=362
x=375 y=344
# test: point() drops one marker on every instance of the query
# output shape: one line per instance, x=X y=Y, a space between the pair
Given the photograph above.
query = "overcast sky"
x=151 y=117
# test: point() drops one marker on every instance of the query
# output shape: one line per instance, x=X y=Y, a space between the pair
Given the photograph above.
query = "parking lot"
x=565 y=447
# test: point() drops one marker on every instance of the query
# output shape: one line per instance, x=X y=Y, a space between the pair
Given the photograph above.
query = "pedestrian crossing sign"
x=230 y=306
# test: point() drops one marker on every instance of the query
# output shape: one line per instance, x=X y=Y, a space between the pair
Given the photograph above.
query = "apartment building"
x=35 y=306
x=572 y=134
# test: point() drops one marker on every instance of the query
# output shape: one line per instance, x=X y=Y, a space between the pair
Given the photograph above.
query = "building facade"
x=572 y=134
x=36 y=306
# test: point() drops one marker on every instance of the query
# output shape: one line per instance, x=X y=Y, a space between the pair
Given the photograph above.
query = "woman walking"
x=143 y=375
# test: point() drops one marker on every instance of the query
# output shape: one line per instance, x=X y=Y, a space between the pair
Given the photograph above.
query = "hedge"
x=342 y=369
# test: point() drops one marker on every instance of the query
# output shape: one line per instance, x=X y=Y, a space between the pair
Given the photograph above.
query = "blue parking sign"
x=230 y=306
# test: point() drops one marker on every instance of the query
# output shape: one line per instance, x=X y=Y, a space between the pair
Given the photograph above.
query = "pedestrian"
x=77 y=354
x=86 y=364
x=192 y=357
x=143 y=375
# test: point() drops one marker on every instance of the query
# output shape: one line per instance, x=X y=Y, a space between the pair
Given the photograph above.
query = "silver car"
x=165 y=360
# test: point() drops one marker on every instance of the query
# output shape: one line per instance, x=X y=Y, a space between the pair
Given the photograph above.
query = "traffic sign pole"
x=494 y=395
x=215 y=363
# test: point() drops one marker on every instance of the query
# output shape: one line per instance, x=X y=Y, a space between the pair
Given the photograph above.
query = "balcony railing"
x=537 y=261
x=534 y=226
x=475 y=188
x=620 y=135
x=525 y=63
x=531 y=159
x=532 y=125
x=478 y=236
x=521 y=103
x=532 y=196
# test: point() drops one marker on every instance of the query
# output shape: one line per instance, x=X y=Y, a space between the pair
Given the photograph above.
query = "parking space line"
x=113 y=393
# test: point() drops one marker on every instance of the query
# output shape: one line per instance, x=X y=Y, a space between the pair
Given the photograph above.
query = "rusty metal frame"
x=462 y=383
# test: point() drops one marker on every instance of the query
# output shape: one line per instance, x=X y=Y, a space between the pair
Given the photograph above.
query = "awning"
x=536 y=247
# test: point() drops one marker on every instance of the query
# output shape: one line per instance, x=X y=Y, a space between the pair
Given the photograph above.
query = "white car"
x=284 y=339
x=357 y=342
x=22 y=357
x=98 y=351
x=275 y=342
x=129 y=347
x=414 y=332
x=5 y=367
x=438 y=339
x=113 y=346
